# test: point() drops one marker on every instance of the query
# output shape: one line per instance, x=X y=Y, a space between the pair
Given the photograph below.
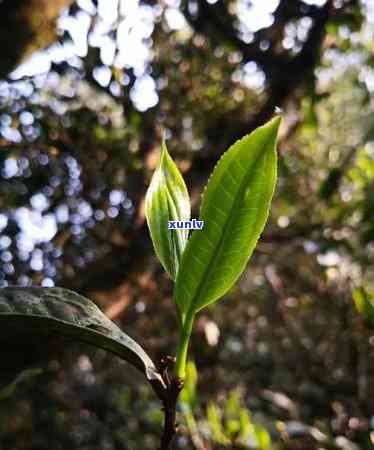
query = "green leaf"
x=234 y=209
x=261 y=437
x=167 y=199
x=245 y=424
x=232 y=406
x=214 y=416
x=44 y=312
x=188 y=396
x=364 y=303
x=26 y=375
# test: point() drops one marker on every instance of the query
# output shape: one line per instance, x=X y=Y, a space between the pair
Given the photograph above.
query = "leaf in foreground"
x=234 y=209
x=28 y=311
x=167 y=199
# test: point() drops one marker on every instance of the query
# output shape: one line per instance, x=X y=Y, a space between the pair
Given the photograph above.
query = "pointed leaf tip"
x=167 y=200
x=235 y=207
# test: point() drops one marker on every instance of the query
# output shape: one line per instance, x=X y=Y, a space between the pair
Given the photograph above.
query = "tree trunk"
x=26 y=26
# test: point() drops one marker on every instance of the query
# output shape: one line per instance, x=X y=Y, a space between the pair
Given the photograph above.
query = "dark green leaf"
x=56 y=311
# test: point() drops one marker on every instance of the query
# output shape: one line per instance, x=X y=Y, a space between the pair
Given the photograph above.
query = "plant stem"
x=168 y=391
x=170 y=404
x=180 y=366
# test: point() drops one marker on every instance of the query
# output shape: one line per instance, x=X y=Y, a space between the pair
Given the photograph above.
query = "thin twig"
x=168 y=393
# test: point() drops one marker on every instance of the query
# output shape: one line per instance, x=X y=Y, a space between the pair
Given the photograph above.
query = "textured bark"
x=26 y=26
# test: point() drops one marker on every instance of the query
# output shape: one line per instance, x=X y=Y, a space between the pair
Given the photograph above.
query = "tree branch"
x=26 y=26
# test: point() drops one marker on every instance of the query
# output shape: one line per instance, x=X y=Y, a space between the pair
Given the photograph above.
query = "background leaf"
x=31 y=311
x=167 y=199
x=234 y=208
x=26 y=375
x=364 y=303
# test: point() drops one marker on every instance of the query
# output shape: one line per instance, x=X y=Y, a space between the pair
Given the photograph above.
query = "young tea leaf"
x=167 y=199
x=34 y=311
x=234 y=209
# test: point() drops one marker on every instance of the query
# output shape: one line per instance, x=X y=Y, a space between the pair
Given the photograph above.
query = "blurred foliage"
x=364 y=303
x=80 y=128
x=228 y=425
x=24 y=376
